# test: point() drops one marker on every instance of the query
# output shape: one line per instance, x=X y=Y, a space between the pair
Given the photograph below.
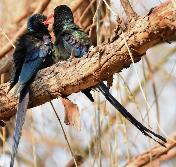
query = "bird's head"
x=62 y=16
x=36 y=23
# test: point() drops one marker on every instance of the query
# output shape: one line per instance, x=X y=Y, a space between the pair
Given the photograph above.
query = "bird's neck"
x=59 y=27
x=39 y=34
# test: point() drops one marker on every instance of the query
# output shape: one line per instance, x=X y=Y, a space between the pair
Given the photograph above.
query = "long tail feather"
x=147 y=132
x=88 y=94
x=17 y=89
x=20 y=118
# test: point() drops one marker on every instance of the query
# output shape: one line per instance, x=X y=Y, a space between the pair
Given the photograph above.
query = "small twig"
x=76 y=5
x=73 y=156
x=94 y=18
x=131 y=14
x=90 y=27
x=107 y=5
x=130 y=93
x=154 y=88
x=7 y=37
x=85 y=11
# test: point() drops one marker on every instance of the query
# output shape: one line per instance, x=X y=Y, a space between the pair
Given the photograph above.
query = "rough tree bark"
x=68 y=77
x=157 y=153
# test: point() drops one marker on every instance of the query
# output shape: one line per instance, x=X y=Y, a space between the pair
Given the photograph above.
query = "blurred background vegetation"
x=105 y=139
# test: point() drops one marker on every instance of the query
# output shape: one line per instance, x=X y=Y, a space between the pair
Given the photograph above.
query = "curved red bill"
x=49 y=20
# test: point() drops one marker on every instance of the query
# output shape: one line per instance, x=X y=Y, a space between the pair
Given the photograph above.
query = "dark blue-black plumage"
x=72 y=40
x=33 y=52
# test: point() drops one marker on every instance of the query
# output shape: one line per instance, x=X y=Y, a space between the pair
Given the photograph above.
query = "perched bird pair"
x=33 y=52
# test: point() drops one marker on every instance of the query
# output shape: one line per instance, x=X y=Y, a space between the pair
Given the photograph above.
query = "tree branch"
x=68 y=77
x=158 y=152
x=154 y=154
x=131 y=14
x=76 y=5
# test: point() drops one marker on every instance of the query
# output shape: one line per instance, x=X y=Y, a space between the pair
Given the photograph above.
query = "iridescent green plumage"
x=70 y=38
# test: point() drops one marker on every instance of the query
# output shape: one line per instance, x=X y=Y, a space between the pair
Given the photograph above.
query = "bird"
x=77 y=50
x=71 y=40
x=33 y=52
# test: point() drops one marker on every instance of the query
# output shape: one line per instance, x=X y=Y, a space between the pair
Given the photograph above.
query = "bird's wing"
x=35 y=59
x=75 y=40
x=35 y=55
x=20 y=118
x=18 y=60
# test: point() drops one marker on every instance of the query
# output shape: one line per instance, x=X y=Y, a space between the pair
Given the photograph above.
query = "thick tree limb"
x=158 y=152
x=67 y=77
